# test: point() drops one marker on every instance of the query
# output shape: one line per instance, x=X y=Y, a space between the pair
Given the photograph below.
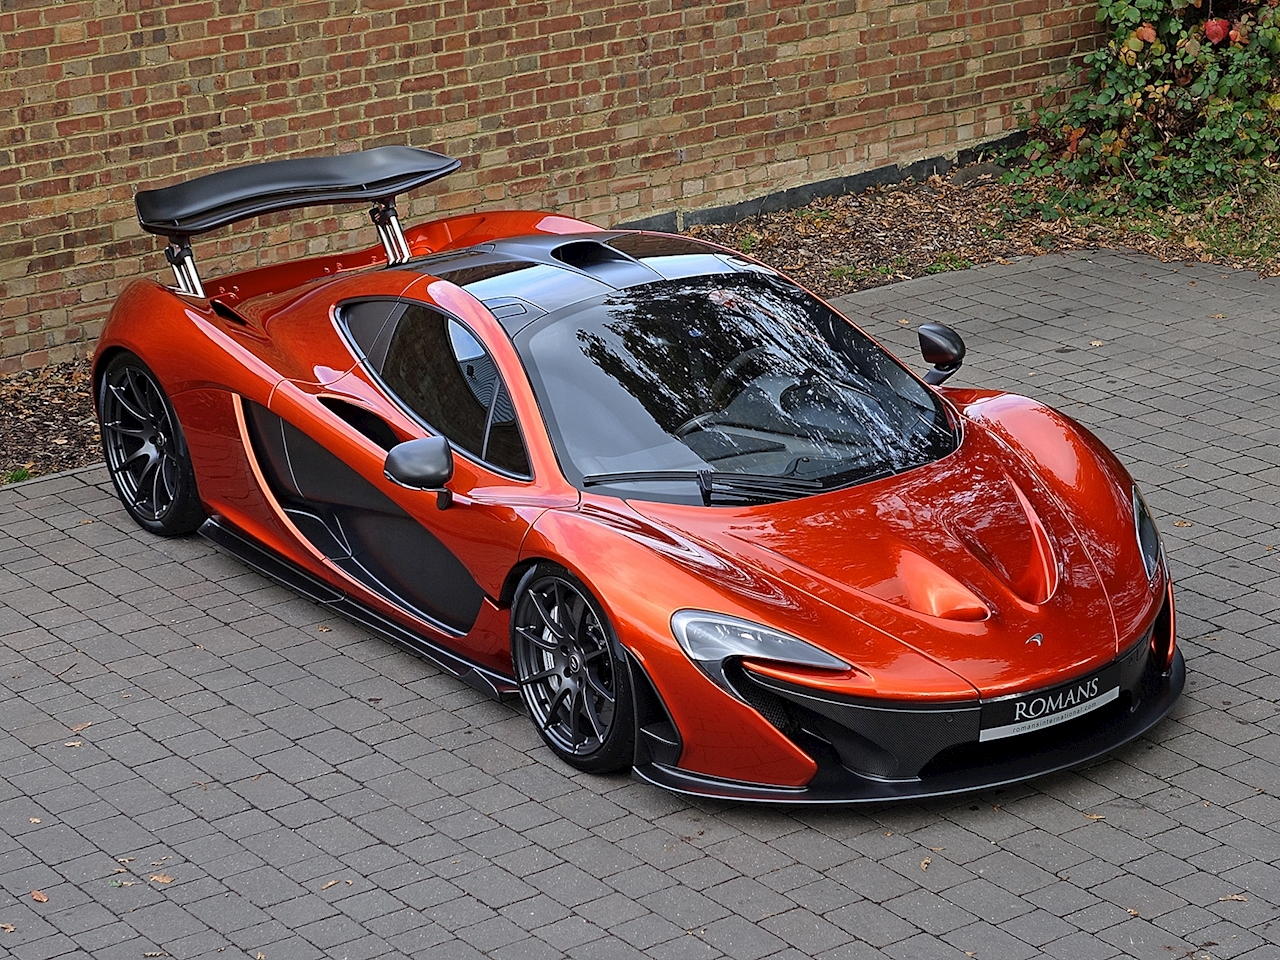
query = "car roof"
x=521 y=279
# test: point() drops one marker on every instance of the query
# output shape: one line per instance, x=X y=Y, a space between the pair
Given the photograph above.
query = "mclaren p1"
x=695 y=521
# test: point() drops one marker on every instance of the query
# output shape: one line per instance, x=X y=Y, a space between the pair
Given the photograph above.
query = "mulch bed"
x=834 y=246
x=47 y=421
x=842 y=244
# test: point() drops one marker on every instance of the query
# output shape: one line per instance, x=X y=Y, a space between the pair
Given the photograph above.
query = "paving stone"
x=320 y=793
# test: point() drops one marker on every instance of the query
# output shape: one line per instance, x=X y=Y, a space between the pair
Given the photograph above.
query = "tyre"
x=574 y=678
x=145 y=450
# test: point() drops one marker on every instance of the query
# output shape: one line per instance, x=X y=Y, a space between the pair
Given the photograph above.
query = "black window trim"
x=470 y=455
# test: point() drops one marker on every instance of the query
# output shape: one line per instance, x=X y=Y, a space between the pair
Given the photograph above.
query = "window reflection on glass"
x=438 y=368
x=734 y=373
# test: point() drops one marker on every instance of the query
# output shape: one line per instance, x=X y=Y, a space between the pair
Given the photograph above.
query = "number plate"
x=1028 y=712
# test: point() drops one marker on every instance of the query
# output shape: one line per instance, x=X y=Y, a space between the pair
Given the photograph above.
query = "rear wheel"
x=145 y=450
x=573 y=676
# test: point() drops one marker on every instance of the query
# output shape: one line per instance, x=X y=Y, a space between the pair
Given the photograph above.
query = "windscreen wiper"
x=710 y=482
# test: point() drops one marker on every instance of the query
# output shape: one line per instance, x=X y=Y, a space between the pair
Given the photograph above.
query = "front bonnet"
x=970 y=561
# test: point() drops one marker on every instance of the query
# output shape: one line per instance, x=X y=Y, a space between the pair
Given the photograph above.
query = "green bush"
x=1183 y=101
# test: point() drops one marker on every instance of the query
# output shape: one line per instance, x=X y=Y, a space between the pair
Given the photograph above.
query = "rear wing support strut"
x=390 y=233
x=179 y=255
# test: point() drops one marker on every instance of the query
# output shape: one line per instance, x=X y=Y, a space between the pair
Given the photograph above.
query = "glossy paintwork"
x=919 y=556
x=1081 y=472
x=930 y=584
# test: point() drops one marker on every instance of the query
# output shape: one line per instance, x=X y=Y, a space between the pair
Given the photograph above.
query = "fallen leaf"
x=350 y=882
x=1183 y=523
x=156 y=953
x=120 y=870
x=160 y=862
x=125 y=859
x=161 y=878
x=7 y=927
x=924 y=864
x=1095 y=343
x=81 y=726
x=1217 y=316
x=937 y=849
x=331 y=883
x=905 y=322
x=323 y=629
x=260 y=956
x=34 y=820
x=1094 y=816
x=1235 y=896
x=1132 y=912
x=122 y=883
x=39 y=896
x=74 y=743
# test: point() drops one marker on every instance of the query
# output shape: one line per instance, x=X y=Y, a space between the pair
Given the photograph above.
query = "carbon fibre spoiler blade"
x=217 y=199
x=197 y=206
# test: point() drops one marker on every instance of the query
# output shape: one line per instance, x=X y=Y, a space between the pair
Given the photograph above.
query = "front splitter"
x=833 y=784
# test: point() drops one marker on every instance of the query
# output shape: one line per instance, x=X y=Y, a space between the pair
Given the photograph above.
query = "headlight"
x=1148 y=536
x=709 y=639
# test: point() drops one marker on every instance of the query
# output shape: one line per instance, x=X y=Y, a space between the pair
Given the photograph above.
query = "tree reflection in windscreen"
x=746 y=373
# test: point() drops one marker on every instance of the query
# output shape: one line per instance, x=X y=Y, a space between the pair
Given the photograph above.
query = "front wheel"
x=145 y=450
x=574 y=678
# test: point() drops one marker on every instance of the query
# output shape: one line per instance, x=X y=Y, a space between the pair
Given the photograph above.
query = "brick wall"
x=601 y=109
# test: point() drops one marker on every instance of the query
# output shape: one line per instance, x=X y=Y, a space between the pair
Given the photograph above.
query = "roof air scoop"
x=604 y=263
x=585 y=254
x=182 y=211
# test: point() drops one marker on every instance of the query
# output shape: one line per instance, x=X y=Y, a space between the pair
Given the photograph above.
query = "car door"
x=422 y=372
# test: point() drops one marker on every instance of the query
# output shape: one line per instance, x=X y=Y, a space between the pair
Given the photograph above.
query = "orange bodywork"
x=1007 y=566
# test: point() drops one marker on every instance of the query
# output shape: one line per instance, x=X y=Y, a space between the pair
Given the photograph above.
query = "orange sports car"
x=697 y=522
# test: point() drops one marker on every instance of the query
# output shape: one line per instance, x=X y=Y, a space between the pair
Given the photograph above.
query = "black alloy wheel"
x=574 y=679
x=145 y=450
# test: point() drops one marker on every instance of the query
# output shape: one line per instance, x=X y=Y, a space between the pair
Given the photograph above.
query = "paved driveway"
x=194 y=762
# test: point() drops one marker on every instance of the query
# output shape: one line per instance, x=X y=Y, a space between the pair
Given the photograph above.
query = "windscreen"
x=732 y=374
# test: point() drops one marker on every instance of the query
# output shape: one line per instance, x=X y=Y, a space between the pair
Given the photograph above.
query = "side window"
x=370 y=324
x=447 y=378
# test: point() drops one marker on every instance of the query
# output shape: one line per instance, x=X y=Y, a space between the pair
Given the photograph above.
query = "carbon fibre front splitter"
x=1016 y=760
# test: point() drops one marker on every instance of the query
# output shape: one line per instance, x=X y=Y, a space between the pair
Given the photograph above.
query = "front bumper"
x=941 y=751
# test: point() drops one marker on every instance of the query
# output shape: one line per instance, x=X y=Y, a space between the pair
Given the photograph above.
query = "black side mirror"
x=425 y=464
x=942 y=347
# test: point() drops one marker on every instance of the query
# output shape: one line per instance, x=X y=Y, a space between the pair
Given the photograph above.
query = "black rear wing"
x=379 y=175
